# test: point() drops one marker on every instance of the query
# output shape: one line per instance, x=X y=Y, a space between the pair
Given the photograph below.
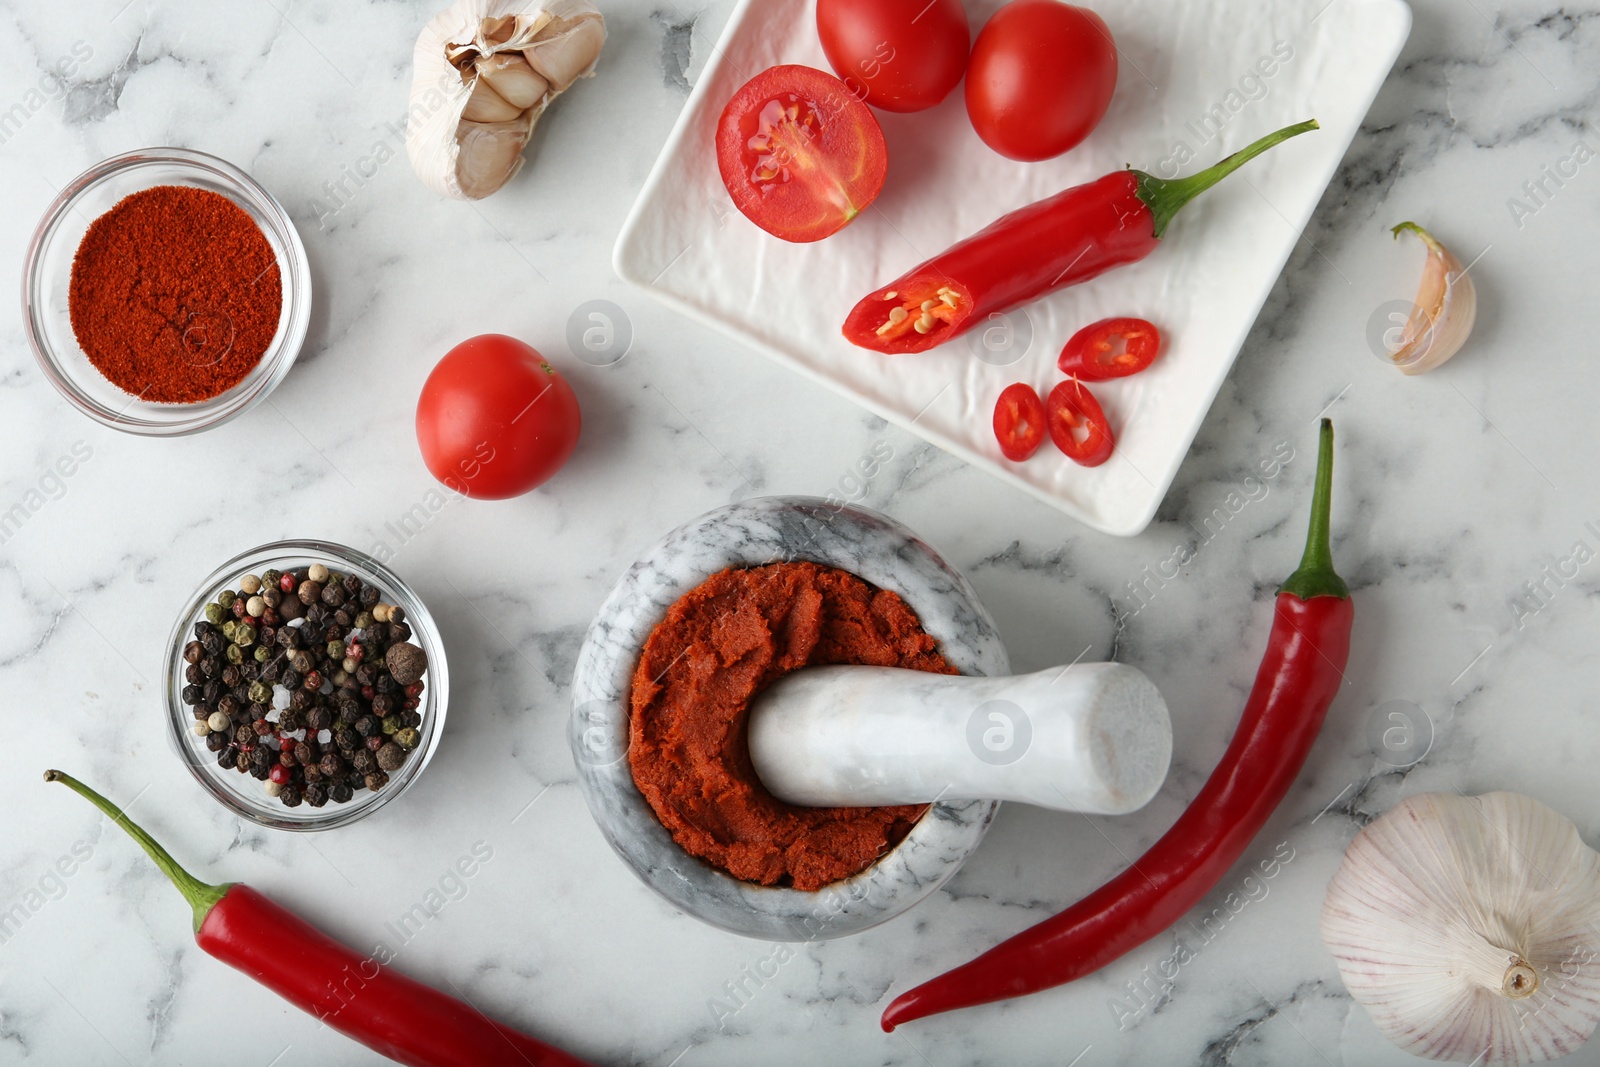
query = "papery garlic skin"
x=1469 y=928
x=1442 y=315
x=498 y=64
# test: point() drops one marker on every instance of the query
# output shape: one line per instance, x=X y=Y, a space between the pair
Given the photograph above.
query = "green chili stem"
x=1316 y=576
x=1165 y=197
x=202 y=896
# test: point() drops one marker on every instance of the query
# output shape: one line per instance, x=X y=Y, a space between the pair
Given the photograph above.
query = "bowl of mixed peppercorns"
x=306 y=685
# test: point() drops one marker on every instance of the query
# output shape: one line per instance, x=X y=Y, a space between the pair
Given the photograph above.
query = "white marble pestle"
x=1091 y=737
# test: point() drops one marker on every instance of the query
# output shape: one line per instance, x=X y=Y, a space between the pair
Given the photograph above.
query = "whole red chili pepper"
x=1298 y=679
x=1052 y=243
x=389 y=1013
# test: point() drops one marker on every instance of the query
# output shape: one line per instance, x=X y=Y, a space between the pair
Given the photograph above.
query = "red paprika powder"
x=175 y=294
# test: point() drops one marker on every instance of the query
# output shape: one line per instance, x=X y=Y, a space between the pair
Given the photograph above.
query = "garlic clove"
x=484 y=71
x=566 y=50
x=1469 y=928
x=1443 y=312
x=486 y=105
x=513 y=78
x=491 y=155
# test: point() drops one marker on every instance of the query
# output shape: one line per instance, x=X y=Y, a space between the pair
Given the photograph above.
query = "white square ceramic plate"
x=1197 y=80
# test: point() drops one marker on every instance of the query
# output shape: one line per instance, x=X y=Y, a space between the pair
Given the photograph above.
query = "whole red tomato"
x=899 y=55
x=1040 y=78
x=495 y=419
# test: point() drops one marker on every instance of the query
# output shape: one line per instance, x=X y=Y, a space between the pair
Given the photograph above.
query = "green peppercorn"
x=260 y=693
x=229 y=628
x=363 y=620
x=270 y=578
x=336 y=650
x=226 y=598
x=390 y=724
x=406 y=737
x=214 y=613
x=235 y=654
x=262 y=653
x=244 y=635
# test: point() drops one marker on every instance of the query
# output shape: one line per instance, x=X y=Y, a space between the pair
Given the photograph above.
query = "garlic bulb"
x=1469 y=928
x=1443 y=313
x=485 y=70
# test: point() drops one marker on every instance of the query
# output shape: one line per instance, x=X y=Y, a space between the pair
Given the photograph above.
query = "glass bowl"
x=243 y=794
x=47 y=277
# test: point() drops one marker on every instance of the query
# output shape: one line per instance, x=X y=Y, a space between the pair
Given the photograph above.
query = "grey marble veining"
x=751 y=533
x=1466 y=504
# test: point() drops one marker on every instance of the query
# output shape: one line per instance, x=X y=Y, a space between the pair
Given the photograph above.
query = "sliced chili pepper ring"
x=1078 y=424
x=911 y=315
x=1019 y=421
x=1110 y=348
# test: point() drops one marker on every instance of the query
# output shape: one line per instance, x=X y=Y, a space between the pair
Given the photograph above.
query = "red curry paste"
x=720 y=645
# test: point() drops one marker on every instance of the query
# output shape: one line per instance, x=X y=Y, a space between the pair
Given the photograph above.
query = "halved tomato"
x=799 y=154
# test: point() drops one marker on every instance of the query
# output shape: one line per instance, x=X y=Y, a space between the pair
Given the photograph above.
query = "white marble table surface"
x=1455 y=492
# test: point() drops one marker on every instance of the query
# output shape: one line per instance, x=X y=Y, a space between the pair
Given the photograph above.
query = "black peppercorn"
x=211 y=692
x=302 y=752
x=286 y=755
x=211 y=642
x=256 y=711
x=330 y=764
x=267 y=634
x=244 y=735
x=288 y=638
x=288 y=719
x=368 y=726
x=272 y=596
x=191 y=694
x=202 y=628
x=229 y=705
x=193 y=651
x=333 y=595
x=399 y=631
x=410 y=719
x=383 y=703
x=311 y=772
x=290 y=796
x=385 y=684
x=228 y=758
x=215 y=740
x=260 y=728
x=320 y=718
x=232 y=676
x=316 y=795
x=192 y=675
x=261 y=757
x=259 y=772
x=290 y=679
x=346 y=738
x=373 y=743
x=340 y=792
x=270 y=671
x=366 y=674
x=376 y=780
